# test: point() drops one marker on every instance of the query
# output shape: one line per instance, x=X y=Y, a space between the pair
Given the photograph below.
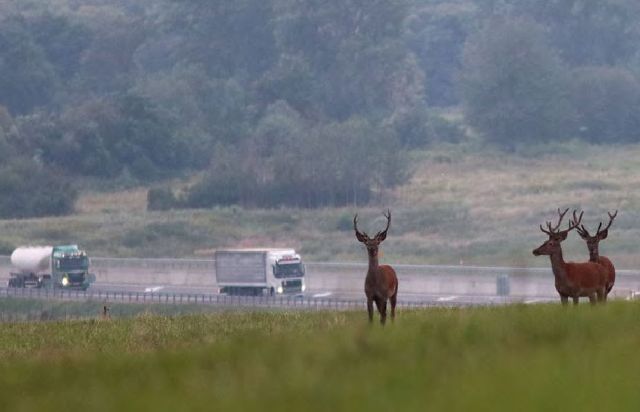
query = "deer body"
x=578 y=279
x=380 y=286
x=593 y=247
x=611 y=272
x=381 y=282
x=572 y=279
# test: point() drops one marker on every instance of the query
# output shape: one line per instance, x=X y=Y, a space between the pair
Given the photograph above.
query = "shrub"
x=28 y=189
x=161 y=198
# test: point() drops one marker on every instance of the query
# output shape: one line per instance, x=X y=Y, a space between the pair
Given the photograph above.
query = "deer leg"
x=602 y=296
x=576 y=299
x=564 y=299
x=383 y=311
x=592 y=299
x=392 y=299
x=370 y=308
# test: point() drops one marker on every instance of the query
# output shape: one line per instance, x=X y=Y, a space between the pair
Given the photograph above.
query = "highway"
x=428 y=285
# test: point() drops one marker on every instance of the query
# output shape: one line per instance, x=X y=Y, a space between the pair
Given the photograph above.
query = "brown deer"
x=381 y=283
x=593 y=244
x=572 y=279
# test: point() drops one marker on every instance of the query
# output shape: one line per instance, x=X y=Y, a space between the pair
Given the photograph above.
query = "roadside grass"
x=26 y=309
x=525 y=358
x=464 y=203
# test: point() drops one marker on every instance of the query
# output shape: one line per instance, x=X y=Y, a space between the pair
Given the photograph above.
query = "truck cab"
x=70 y=267
x=288 y=273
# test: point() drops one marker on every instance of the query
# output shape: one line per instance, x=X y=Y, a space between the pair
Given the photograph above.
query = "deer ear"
x=360 y=237
x=563 y=236
x=382 y=236
x=584 y=236
x=603 y=235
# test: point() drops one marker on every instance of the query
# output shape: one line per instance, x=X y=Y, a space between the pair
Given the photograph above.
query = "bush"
x=28 y=189
x=162 y=198
x=6 y=248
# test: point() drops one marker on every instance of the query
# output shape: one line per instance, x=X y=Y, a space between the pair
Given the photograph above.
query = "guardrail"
x=297 y=302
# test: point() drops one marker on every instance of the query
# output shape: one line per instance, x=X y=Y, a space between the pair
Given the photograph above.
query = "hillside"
x=469 y=204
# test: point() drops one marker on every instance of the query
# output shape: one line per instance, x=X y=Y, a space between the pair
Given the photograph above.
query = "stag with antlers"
x=593 y=246
x=572 y=279
x=381 y=283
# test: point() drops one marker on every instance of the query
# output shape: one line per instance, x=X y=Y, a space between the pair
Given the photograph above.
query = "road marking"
x=154 y=289
x=446 y=298
x=322 y=295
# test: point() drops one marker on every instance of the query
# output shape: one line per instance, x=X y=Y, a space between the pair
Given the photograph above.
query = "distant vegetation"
x=299 y=104
x=525 y=358
x=461 y=205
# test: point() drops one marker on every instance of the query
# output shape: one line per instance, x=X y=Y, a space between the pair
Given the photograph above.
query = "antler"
x=361 y=236
x=582 y=231
x=554 y=230
x=575 y=222
x=383 y=234
x=572 y=223
x=611 y=217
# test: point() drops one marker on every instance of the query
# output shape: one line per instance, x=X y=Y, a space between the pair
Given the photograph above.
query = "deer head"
x=593 y=241
x=556 y=236
x=372 y=243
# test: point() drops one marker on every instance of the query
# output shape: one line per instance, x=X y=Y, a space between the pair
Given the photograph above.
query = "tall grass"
x=525 y=358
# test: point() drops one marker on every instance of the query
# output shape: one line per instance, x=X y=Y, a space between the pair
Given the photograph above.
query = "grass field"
x=525 y=358
x=464 y=203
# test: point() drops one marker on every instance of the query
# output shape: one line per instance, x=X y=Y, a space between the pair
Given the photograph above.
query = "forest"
x=269 y=103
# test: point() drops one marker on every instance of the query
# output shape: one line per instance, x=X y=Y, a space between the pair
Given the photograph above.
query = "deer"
x=381 y=282
x=572 y=279
x=592 y=246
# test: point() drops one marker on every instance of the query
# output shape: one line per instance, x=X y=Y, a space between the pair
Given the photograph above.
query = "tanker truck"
x=259 y=271
x=65 y=267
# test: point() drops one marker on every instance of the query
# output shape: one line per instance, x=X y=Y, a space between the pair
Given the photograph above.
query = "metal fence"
x=289 y=301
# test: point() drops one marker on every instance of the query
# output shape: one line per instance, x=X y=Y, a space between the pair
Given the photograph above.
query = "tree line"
x=282 y=102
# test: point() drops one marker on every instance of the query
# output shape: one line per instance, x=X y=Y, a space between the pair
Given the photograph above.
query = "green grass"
x=525 y=358
x=18 y=309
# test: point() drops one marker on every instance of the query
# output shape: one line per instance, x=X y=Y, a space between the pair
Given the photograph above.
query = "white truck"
x=65 y=267
x=259 y=271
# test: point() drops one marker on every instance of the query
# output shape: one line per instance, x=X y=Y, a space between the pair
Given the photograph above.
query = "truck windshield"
x=288 y=270
x=73 y=263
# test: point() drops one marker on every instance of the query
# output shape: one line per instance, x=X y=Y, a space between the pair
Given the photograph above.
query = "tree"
x=108 y=137
x=436 y=32
x=607 y=100
x=226 y=37
x=27 y=189
x=62 y=41
x=204 y=110
x=27 y=78
x=349 y=55
x=586 y=32
x=514 y=86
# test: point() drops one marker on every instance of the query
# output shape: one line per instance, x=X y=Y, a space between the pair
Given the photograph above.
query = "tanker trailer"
x=64 y=267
